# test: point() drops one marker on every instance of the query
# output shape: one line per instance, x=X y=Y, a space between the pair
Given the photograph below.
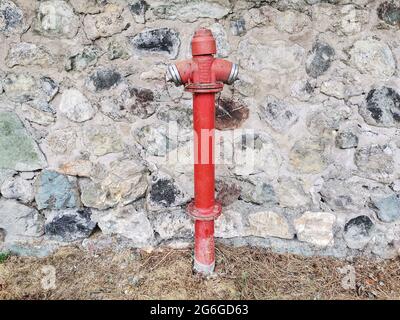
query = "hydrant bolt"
x=203 y=75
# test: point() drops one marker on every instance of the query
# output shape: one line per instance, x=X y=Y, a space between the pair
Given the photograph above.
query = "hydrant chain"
x=204 y=76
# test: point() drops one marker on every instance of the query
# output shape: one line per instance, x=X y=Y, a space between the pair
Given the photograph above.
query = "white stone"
x=17 y=188
x=75 y=106
x=173 y=224
x=19 y=221
x=315 y=228
x=268 y=224
x=291 y=193
x=373 y=57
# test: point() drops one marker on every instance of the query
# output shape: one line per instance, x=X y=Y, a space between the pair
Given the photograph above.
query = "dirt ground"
x=241 y=273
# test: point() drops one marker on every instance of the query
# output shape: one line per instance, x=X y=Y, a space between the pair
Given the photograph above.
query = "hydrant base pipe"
x=204 y=254
x=204 y=172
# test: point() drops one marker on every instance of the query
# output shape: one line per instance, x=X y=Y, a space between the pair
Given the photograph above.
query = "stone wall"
x=86 y=118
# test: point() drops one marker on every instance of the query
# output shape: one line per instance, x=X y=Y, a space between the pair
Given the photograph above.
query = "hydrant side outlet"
x=203 y=75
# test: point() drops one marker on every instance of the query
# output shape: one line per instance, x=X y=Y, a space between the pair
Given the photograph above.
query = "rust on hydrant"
x=203 y=75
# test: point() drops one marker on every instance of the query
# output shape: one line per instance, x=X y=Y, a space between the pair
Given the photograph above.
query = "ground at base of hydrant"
x=241 y=273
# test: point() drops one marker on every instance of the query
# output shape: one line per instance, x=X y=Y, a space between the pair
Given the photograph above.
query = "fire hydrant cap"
x=203 y=42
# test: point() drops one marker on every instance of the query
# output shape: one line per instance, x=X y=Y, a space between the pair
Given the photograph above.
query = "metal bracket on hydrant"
x=203 y=75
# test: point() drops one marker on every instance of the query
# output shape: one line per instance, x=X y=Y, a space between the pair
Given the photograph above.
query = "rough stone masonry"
x=85 y=119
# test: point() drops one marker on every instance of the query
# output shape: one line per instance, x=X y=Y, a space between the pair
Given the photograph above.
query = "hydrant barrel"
x=204 y=124
x=203 y=75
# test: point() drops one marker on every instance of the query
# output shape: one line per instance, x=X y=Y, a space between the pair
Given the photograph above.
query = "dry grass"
x=241 y=273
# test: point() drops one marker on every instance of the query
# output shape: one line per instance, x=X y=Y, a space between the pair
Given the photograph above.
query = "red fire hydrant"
x=203 y=75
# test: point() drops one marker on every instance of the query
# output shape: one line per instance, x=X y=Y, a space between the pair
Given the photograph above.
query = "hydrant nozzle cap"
x=203 y=42
x=172 y=75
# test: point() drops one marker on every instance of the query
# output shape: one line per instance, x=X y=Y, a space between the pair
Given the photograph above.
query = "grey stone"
x=358 y=232
x=389 y=11
x=75 y=106
x=86 y=58
x=181 y=115
x=290 y=193
x=373 y=57
x=29 y=249
x=319 y=59
x=278 y=114
x=17 y=188
x=375 y=162
x=61 y=142
x=111 y=21
x=191 y=11
x=69 y=225
x=388 y=208
x=56 y=191
x=230 y=114
x=175 y=224
x=315 y=228
x=130 y=222
x=26 y=54
x=238 y=27
x=307 y=156
x=221 y=39
x=227 y=191
x=275 y=56
x=79 y=167
x=20 y=87
x=349 y=193
x=11 y=18
x=102 y=140
x=254 y=155
x=56 y=18
x=162 y=41
x=88 y=6
x=37 y=116
x=346 y=140
x=23 y=87
x=18 y=151
x=323 y=122
x=117 y=50
x=19 y=222
x=103 y=79
x=381 y=108
x=257 y=191
x=231 y=223
x=49 y=88
x=138 y=9
x=139 y=102
x=290 y=21
x=125 y=183
x=165 y=193
x=154 y=140
x=6 y=174
x=27 y=175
